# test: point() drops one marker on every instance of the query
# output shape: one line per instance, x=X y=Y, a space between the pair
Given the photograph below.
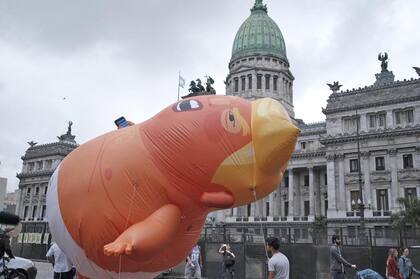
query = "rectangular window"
x=382 y=200
x=34 y=211
x=242 y=83
x=354 y=199
x=306 y=180
x=259 y=81
x=275 y=80
x=236 y=85
x=25 y=212
x=286 y=208
x=31 y=166
x=408 y=161
x=306 y=208
x=350 y=124
x=286 y=181
x=382 y=120
x=267 y=209
x=410 y=193
x=410 y=116
x=398 y=117
x=267 y=82
x=372 y=121
x=249 y=82
x=48 y=164
x=354 y=165
x=44 y=208
x=303 y=145
x=380 y=163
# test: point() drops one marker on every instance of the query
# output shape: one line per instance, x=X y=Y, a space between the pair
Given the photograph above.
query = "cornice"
x=34 y=174
x=372 y=104
x=371 y=88
x=342 y=138
x=310 y=154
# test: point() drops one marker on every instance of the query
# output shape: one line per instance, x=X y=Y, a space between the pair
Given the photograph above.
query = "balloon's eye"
x=188 y=105
x=231 y=117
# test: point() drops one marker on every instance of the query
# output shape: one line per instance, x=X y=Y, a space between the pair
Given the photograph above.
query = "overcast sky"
x=112 y=58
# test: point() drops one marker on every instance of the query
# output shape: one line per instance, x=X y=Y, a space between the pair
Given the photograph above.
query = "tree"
x=409 y=215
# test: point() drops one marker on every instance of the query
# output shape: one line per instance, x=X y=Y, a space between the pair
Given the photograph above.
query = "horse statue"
x=209 y=88
x=199 y=85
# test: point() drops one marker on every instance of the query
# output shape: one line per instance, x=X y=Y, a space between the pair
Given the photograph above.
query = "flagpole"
x=179 y=75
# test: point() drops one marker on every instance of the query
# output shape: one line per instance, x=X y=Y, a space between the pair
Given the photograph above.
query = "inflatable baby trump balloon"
x=132 y=203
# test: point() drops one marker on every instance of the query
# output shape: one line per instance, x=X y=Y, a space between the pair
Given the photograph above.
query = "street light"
x=360 y=200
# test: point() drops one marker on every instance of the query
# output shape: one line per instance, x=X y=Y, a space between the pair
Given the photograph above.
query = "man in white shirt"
x=62 y=265
x=278 y=265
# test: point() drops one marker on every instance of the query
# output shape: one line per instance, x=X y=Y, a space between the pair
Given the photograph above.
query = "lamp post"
x=360 y=200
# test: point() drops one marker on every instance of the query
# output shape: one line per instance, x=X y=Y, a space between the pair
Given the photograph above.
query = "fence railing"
x=350 y=236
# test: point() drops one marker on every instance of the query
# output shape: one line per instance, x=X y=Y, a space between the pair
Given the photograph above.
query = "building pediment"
x=380 y=176
x=409 y=174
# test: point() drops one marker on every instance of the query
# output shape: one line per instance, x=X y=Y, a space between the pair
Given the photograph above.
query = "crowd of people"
x=279 y=267
x=397 y=267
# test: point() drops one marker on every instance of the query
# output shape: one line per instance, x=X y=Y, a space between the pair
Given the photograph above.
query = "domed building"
x=259 y=66
x=328 y=174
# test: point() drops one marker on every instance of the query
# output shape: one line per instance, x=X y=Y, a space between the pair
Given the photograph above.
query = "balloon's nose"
x=274 y=136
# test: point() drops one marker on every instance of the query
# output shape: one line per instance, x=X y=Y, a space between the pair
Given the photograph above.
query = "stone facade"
x=322 y=178
x=39 y=163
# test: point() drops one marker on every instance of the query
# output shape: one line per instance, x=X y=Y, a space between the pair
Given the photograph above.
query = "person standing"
x=392 y=270
x=406 y=265
x=194 y=263
x=61 y=264
x=5 y=243
x=228 y=261
x=278 y=265
x=337 y=262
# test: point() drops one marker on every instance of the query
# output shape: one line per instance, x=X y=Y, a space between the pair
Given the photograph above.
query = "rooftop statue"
x=335 y=86
x=209 y=88
x=32 y=143
x=383 y=57
x=417 y=70
x=199 y=85
x=197 y=89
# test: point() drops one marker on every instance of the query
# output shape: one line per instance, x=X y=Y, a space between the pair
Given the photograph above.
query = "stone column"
x=291 y=192
x=273 y=204
x=332 y=205
x=363 y=124
x=394 y=178
x=417 y=158
x=389 y=119
x=311 y=192
x=366 y=171
x=318 y=198
x=235 y=212
x=341 y=194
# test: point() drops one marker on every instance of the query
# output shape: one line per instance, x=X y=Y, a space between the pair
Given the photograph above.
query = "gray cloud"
x=112 y=58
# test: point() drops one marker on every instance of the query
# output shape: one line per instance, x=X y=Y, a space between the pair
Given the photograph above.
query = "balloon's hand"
x=147 y=237
x=118 y=248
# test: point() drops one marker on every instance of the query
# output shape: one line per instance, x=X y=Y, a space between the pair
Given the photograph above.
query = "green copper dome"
x=259 y=34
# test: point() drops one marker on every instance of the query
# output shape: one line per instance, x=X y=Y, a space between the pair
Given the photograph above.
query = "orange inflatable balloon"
x=142 y=193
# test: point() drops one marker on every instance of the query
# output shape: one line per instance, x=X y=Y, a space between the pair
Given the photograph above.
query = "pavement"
x=45 y=270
